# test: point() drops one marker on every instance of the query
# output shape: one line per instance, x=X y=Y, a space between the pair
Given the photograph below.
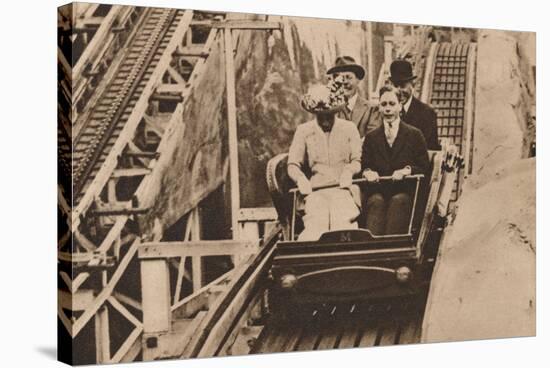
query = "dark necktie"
x=389 y=134
x=402 y=113
x=345 y=113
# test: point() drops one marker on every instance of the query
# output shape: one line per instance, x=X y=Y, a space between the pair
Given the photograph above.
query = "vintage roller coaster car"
x=353 y=265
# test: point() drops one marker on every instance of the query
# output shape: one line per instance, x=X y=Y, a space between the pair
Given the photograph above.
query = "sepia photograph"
x=233 y=183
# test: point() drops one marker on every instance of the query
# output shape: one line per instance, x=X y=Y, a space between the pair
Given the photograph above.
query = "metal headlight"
x=288 y=281
x=403 y=274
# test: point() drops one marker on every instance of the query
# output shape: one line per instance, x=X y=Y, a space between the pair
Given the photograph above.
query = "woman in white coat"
x=331 y=148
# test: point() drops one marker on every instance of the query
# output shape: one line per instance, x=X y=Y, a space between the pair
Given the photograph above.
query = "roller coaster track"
x=449 y=88
x=109 y=116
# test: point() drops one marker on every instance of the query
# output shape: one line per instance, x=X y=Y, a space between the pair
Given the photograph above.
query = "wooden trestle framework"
x=112 y=131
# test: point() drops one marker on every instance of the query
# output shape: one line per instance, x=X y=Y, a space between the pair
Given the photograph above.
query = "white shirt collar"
x=408 y=104
x=352 y=101
x=395 y=127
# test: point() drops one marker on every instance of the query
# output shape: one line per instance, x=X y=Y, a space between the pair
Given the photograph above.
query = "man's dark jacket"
x=409 y=149
x=423 y=117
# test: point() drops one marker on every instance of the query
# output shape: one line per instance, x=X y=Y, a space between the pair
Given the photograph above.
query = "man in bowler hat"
x=414 y=111
x=357 y=109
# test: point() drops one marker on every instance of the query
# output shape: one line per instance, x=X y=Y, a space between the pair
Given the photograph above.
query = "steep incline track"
x=451 y=96
x=109 y=115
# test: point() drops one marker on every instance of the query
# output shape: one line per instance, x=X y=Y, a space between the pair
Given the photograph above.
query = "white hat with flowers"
x=325 y=99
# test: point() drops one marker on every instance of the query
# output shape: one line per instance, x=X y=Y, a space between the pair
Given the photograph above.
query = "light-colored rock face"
x=500 y=104
x=484 y=282
x=484 y=285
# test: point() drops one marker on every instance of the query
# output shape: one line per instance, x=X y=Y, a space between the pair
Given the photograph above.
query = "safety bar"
x=417 y=177
x=361 y=181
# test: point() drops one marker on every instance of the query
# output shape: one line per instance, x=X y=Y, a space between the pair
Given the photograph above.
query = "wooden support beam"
x=129 y=350
x=388 y=52
x=232 y=131
x=74 y=257
x=199 y=300
x=88 y=12
x=175 y=75
x=166 y=97
x=155 y=289
x=196 y=50
x=99 y=37
x=62 y=202
x=257 y=214
x=84 y=242
x=196 y=267
x=469 y=109
x=127 y=300
x=203 y=22
x=171 y=88
x=247 y=24
x=76 y=301
x=121 y=211
x=200 y=248
x=63 y=317
x=157 y=124
x=106 y=292
x=370 y=62
x=179 y=280
x=74 y=284
x=249 y=230
x=102 y=337
x=136 y=171
x=428 y=74
x=150 y=155
x=125 y=312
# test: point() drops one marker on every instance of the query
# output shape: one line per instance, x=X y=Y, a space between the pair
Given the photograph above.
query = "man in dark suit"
x=414 y=111
x=358 y=109
x=393 y=149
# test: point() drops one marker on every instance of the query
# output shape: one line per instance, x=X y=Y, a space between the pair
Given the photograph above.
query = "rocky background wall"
x=484 y=282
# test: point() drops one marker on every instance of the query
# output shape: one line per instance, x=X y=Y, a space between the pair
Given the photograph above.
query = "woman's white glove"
x=346 y=179
x=371 y=176
x=304 y=186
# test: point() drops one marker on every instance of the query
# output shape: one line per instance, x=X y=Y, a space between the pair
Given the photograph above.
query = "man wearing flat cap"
x=414 y=111
x=331 y=148
x=357 y=109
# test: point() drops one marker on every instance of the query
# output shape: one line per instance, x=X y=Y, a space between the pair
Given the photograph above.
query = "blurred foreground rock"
x=483 y=285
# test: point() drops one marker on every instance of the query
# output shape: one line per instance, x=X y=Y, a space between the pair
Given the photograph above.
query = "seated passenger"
x=331 y=148
x=397 y=149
